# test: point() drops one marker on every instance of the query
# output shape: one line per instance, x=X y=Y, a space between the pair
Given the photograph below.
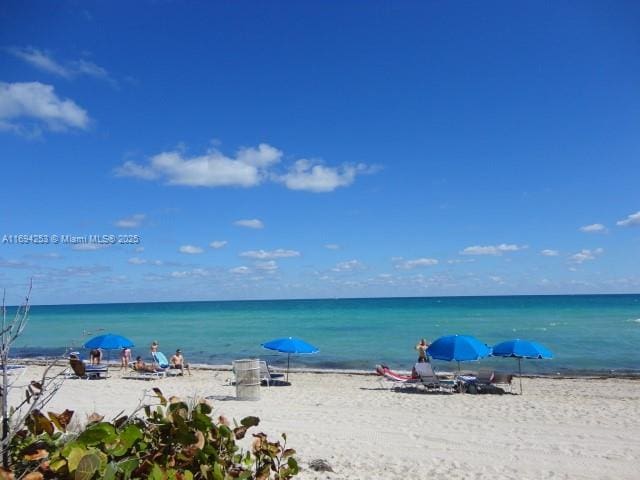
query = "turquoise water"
x=587 y=333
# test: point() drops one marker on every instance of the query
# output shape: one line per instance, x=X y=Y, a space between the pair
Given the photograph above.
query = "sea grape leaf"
x=87 y=466
x=61 y=420
x=250 y=421
x=110 y=471
x=74 y=456
x=98 y=433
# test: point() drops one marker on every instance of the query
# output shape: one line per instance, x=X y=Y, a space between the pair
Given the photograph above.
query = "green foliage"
x=172 y=442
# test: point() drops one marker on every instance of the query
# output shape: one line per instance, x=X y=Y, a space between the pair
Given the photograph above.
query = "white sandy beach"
x=560 y=428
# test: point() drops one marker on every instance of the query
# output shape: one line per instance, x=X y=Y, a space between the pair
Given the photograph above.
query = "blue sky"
x=319 y=149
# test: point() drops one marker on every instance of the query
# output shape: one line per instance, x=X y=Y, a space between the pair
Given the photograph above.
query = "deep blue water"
x=587 y=333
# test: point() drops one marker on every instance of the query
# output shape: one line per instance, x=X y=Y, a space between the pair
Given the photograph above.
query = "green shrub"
x=173 y=441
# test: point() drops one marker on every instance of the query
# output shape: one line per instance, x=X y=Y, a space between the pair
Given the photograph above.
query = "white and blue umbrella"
x=521 y=349
x=290 y=345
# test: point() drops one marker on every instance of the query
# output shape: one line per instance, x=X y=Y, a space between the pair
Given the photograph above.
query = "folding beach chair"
x=430 y=380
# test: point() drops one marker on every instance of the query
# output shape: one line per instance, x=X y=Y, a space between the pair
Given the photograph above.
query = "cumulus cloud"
x=267 y=255
x=249 y=223
x=631 y=220
x=45 y=62
x=315 y=177
x=249 y=167
x=214 y=169
x=190 y=249
x=585 y=255
x=492 y=249
x=348 y=266
x=26 y=107
x=402 y=264
x=594 y=228
x=133 y=221
x=549 y=253
x=332 y=246
x=217 y=244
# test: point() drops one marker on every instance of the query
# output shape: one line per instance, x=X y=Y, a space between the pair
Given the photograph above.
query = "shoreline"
x=575 y=374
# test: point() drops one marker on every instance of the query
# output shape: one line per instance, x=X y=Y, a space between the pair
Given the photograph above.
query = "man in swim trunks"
x=178 y=362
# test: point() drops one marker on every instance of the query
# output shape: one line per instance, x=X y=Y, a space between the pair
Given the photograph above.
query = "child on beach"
x=178 y=362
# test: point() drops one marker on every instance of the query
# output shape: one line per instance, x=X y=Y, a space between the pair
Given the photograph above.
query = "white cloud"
x=89 y=247
x=213 y=169
x=249 y=167
x=417 y=262
x=315 y=177
x=348 y=266
x=44 y=61
x=249 y=223
x=496 y=279
x=549 y=253
x=631 y=220
x=492 y=249
x=133 y=221
x=190 y=249
x=585 y=255
x=37 y=102
x=332 y=246
x=268 y=266
x=594 y=228
x=266 y=255
x=196 y=272
x=218 y=244
x=144 y=261
x=242 y=270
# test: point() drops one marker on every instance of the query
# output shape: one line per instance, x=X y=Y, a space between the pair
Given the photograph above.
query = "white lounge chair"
x=266 y=375
x=430 y=380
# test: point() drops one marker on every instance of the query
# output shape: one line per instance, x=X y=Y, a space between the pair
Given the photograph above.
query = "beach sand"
x=560 y=428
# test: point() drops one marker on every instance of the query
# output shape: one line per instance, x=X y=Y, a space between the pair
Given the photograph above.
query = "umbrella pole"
x=288 y=361
x=520 y=373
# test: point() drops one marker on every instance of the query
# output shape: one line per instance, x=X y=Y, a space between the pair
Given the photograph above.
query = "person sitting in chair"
x=178 y=362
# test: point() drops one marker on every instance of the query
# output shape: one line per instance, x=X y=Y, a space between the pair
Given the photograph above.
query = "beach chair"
x=503 y=380
x=394 y=379
x=89 y=372
x=430 y=381
x=160 y=359
x=134 y=374
x=266 y=375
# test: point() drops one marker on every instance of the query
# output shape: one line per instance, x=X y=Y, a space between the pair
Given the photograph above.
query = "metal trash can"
x=247 y=372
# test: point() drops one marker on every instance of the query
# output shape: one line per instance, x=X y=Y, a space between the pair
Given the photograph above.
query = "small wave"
x=634 y=320
x=553 y=324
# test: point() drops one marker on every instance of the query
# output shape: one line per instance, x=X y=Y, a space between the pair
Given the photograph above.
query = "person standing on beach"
x=422 y=351
x=96 y=356
x=154 y=349
x=125 y=358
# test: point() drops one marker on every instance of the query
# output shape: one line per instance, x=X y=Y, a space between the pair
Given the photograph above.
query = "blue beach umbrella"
x=521 y=349
x=461 y=348
x=290 y=345
x=109 y=341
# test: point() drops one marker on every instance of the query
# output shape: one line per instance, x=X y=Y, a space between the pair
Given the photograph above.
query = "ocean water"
x=587 y=333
